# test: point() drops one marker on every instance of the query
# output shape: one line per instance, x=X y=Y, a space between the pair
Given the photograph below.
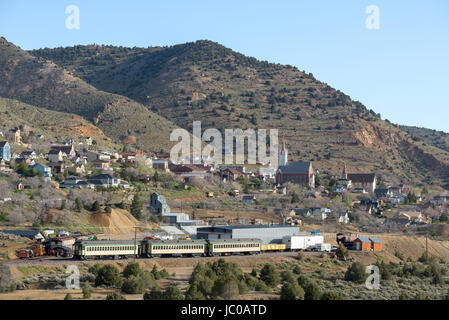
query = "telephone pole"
x=135 y=242
x=427 y=248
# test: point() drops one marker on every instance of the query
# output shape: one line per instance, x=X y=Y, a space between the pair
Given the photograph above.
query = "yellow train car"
x=273 y=247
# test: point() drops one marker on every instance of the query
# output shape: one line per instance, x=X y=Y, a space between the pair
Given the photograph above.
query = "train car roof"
x=175 y=241
x=111 y=242
x=234 y=240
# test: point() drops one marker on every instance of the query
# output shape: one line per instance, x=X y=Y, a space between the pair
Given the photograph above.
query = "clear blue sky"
x=400 y=70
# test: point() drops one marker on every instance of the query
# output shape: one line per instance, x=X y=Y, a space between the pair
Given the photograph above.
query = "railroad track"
x=69 y=261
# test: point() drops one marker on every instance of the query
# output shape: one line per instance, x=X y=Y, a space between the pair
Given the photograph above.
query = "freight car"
x=273 y=247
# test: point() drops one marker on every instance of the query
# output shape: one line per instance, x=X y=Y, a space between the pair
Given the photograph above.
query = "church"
x=294 y=172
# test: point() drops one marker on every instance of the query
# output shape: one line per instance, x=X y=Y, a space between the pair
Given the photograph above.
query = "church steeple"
x=345 y=172
x=283 y=155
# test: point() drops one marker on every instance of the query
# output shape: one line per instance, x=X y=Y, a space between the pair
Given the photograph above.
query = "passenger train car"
x=161 y=248
x=105 y=249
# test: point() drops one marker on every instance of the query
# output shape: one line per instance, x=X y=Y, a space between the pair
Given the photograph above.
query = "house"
x=104 y=180
x=321 y=213
x=55 y=155
x=29 y=155
x=30 y=234
x=76 y=183
x=376 y=244
x=232 y=174
x=160 y=164
x=29 y=162
x=5 y=151
x=366 y=181
x=415 y=217
x=101 y=164
x=77 y=169
x=383 y=193
x=67 y=151
x=297 y=173
x=248 y=199
x=57 y=167
x=158 y=204
x=88 y=141
x=44 y=171
x=4 y=167
x=16 y=135
x=397 y=222
x=345 y=183
x=440 y=200
x=362 y=244
x=343 y=218
x=70 y=182
x=360 y=190
x=301 y=212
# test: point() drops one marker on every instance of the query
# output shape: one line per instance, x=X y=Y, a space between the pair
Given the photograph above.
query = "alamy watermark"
x=72 y=282
x=72 y=22
x=373 y=280
x=372 y=22
x=189 y=150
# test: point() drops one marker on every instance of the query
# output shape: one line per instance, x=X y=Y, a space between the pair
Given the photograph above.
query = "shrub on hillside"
x=291 y=291
x=269 y=275
x=356 y=273
x=115 y=296
x=109 y=276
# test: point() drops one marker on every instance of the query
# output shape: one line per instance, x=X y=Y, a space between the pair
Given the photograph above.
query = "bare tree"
x=5 y=189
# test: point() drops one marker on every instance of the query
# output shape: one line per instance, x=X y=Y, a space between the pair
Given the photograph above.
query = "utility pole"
x=135 y=242
x=427 y=248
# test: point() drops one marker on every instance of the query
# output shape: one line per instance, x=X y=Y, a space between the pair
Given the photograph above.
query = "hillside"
x=434 y=138
x=54 y=126
x=42 y=83
x=225 y=89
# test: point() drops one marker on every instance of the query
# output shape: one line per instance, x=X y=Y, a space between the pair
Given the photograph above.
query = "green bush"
x=356 y=273
x=225 y=288
x=68 y=296
x=269 y=275
x=115 y=296
x=108 y=275
x=173 y=293
x=287 y=276
x=312 y=292
x=331 y=295
x=291 y=291
x=133 y=285
x=154 y=294
x=87 y=291
x=132 y=269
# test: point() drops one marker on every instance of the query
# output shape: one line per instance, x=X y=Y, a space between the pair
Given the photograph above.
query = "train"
x=151 y=247
x=123 y=249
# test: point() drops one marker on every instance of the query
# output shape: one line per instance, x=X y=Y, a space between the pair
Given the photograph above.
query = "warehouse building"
x=266 y=233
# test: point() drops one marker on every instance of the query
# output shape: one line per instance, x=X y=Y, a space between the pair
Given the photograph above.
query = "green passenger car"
x=234 y=246
x=159 y=248
x=105 y=249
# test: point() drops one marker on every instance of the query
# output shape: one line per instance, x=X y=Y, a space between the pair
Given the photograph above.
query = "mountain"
x=53 y=125
x=206 y=81
x=42 y=83
x=439 y=139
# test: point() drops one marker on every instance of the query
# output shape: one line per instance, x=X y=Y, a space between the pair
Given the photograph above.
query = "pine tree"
x=136 y=207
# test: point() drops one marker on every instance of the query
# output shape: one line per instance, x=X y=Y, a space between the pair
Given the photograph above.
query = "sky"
x=400 y=69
